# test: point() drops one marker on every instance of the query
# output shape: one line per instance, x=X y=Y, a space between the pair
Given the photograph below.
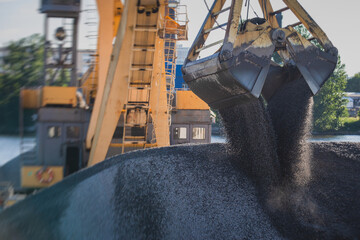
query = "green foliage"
x=277 y=59
x=303 y=31
x=329 y=104
x=350 y=124
x=22 y=66
x=353 y=84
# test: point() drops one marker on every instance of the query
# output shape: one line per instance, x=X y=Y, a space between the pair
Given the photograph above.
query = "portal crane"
x=125 y=100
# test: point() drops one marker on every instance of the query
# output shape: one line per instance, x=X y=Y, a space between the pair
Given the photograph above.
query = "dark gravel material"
x=282 y=168
x=251 y=142
x=193 y=193
x=263 y=184
x=290 y=111
x=184 y=192
x=10 y=172
x=335 y=185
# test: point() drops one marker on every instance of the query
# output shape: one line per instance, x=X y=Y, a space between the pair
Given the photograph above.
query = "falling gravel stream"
x=270 y=145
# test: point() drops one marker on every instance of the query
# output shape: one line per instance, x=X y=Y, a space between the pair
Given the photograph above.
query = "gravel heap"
x=182 y=192
x=267 y=182
x=270 y=145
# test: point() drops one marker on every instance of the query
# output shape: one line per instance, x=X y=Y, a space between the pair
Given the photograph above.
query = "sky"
x=338 y=19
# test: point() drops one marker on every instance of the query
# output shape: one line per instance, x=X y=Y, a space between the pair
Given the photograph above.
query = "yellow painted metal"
x=146 y=67
x=267 y=10
x=89 y=82
x=188 y=100
x=115 y=88
x=210 y=21
x=302 y=15
x=309 y=23
x=31 y=98
x=12 y=199
x=147 y=79
x=174 y=27
x=118 y=10
x=138 y=95
x=52 y=95
x=171 y=25
x=29 y=179
x=133 y=145
x=232 y=29
x=109 y=18
x=9 y=203
x=252 y=33
x=158 y=95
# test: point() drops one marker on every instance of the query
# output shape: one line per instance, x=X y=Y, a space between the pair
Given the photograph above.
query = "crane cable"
x=207 y=6
x=247 y=2
x=253 y=9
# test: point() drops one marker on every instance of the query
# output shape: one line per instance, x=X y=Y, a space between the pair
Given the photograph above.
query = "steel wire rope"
x=207 y=6
x=253 y=9
x=247 y=4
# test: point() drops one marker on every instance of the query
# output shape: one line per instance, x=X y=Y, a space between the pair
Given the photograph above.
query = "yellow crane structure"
x=126 y=99
x=134 y=64
x=131 y=78
x=122 y=103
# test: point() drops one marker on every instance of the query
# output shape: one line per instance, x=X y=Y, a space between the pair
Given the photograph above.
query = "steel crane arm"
x=208 y=24
x=110 y=12
x=238 y=71
x=134 y=82
x=115 y=88
x=303 y=17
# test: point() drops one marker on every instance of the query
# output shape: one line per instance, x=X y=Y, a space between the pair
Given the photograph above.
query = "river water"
x=10 y=145
x=326 y=138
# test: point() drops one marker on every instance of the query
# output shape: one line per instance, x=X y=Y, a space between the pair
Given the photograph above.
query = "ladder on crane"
x=137 y=107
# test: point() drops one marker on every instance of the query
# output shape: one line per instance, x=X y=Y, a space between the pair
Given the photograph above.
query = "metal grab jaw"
x=243 y=68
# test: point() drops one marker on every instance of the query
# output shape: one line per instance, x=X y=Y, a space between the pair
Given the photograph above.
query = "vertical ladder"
x=170 y=70
x=137 y=109
x=174 y=29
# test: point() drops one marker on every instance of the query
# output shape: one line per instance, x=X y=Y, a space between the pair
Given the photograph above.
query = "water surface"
x=317 y=138
x=10 y=145
x=336 y=138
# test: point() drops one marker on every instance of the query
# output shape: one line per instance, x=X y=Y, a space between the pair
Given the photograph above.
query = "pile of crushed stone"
x=270 y=145
x=266 y=182
x=183 y=192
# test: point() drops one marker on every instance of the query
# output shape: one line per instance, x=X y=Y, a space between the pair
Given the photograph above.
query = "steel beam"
x=116 y=86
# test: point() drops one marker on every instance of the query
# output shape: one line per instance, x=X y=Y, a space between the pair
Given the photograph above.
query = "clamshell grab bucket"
x=239 y=71
x=222 y=82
